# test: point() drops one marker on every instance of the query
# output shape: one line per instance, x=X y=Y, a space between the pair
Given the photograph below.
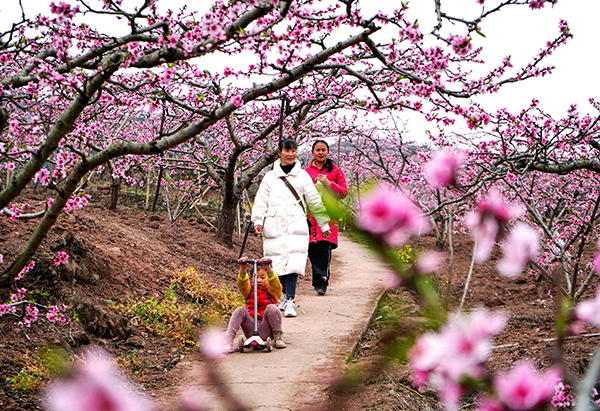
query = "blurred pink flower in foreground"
x=521 y=246
x=490 y=216
x=589 y=311
x=457 y=350
x=192 y=400
x=211 y=344
x=524 y=388
x=429 y=262
x=95 y=386
x=387 y=213
x=441 y=171
x=391 y=280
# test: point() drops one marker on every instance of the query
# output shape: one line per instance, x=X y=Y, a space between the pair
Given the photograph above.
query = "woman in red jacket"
x=327 y=176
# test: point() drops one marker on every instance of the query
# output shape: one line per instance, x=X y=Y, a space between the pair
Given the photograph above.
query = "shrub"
x=188 y=303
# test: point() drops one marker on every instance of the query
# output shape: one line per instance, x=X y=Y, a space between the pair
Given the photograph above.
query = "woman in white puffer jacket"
x=281 y=219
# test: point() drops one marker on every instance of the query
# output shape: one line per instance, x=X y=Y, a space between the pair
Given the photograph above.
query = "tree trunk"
x=158 y=182
x=226 y=220
x=115 y=189
x=147 y=191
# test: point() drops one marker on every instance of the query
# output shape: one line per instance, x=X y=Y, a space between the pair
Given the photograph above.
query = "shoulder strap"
x=293 y=190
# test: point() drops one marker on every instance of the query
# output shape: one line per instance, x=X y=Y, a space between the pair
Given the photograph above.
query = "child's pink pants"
x=269 y=324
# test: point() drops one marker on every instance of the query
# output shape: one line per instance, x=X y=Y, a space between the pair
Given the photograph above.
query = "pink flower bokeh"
x=95 y=386
x=521 y=246
x=524 y=388
x=441 y=171
x=387 y=213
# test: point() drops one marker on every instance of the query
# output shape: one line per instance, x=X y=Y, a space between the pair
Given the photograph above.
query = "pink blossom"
x=563 y=396
x=25 y=270
x=522 y=245
x=95 y=386
x=211 y=344
x=429 y=262
x=391 y=280
x=441 y=170
x=589 y=310
x=458 y=349
x=387 y=213
x=450 y=393
x=489 y=404
x=32 y=310
x=491 y=215
x=523 y=388
x=237 y=100
x=461 y=44
x=193 y=400
x=537 y=4
x=413 y=34
x=173 y=39
x=7 y=308
x=43 y=176
x=61 y=258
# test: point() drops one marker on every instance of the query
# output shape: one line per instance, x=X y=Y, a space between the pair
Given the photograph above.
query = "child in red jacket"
x=269 y=316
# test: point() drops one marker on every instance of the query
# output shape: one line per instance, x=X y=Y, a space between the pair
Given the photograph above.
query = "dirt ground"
x=127 y=254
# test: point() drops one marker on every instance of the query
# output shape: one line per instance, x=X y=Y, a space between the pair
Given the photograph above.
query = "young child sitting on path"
x=269 y=316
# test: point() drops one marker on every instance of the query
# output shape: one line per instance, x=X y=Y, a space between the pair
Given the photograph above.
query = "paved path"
x=319 y=339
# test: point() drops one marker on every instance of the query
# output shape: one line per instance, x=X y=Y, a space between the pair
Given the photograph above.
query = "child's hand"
x=243 y=265
x=267 y=266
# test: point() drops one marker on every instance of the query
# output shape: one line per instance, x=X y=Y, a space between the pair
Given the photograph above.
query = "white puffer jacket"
x=284 y=225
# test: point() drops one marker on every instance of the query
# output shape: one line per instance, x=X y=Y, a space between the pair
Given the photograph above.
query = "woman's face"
x=320 y=152
x=288 y=156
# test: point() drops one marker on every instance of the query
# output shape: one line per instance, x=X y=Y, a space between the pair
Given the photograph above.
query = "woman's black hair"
x=287 y=144
x=320 y=141
x=328 y=166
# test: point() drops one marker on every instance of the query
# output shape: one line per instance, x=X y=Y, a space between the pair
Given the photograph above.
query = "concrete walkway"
x=318 y=341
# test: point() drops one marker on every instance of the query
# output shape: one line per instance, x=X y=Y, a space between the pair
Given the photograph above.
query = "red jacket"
x=338 y=187
x=264 y=299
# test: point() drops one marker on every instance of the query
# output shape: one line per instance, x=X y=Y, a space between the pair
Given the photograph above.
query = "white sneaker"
x=282 y=301
x=290 y=308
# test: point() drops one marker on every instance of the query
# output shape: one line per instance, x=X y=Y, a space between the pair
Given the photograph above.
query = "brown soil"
x=115 y=256
x=123 y=255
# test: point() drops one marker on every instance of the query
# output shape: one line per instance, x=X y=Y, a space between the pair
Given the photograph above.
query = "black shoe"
x=321 y=290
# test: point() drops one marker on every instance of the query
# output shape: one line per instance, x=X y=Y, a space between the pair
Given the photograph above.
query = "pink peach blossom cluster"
x=61 y=258
x=461 y=45
x=388 y=214
x=522 y=388
x=457 y=351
